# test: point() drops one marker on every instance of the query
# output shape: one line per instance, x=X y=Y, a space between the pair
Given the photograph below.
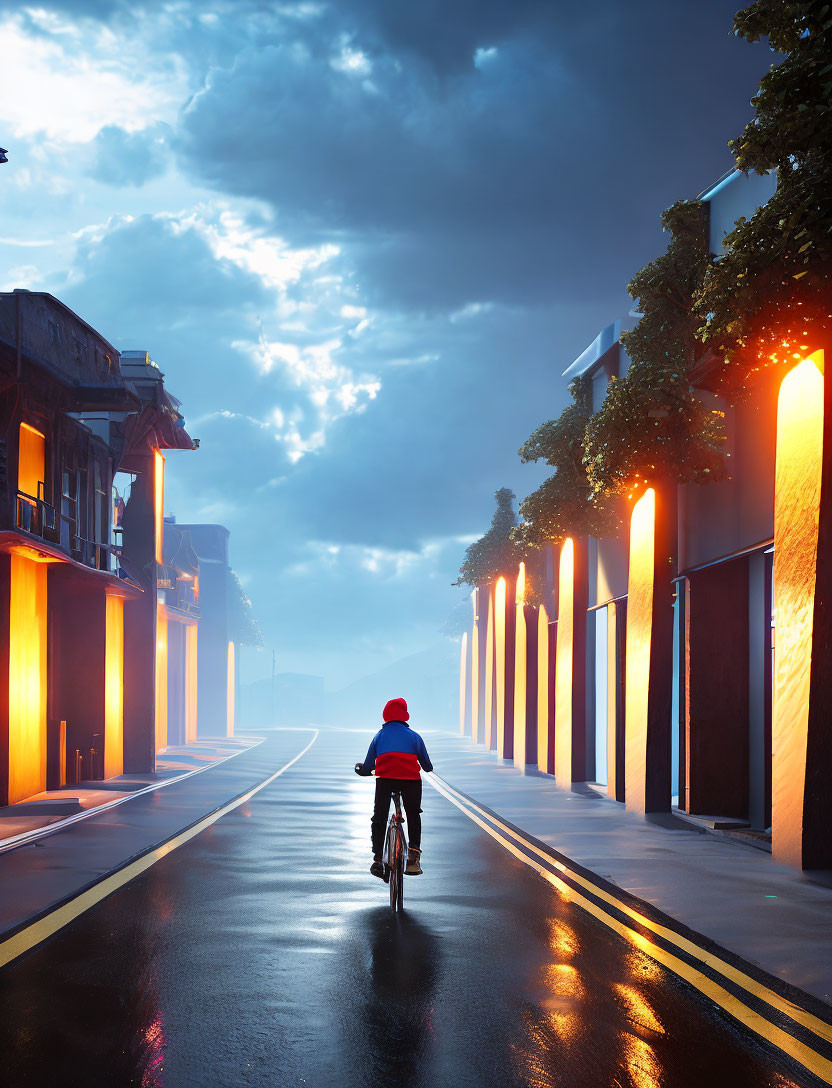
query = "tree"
x=652 y=427
x=564 y=505
x=769 y=297
x=495 y=553
x=243 y=628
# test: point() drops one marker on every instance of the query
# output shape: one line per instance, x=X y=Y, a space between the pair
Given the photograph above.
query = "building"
x=79 y=551
x=217 y=666
x=684 y=700
x=177 y=635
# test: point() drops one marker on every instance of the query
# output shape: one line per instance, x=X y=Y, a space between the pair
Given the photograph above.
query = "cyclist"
x=396 y=753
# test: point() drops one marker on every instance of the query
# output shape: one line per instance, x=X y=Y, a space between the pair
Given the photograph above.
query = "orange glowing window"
x=520 y=588
x=563 y=665
x=639 y=638
x=796 y=519
x=161 y=678
x=229 y=691
x=31 y=460
x=463 y=681
x=500 y=661
x=159 y=501
x=475 y=671
x=191 y=651
x=114 y=687
x=27 y=678
x=520 y=653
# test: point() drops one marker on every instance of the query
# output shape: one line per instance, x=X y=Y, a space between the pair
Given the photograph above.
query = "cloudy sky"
x=362 y=239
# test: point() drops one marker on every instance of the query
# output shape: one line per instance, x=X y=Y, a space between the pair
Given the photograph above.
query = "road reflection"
x=393 y=1031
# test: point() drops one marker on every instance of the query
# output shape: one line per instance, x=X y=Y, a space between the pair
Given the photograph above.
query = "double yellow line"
x=810 y=1059
x=34 y=934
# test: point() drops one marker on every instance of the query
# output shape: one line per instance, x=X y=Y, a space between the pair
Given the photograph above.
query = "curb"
x=26 y=837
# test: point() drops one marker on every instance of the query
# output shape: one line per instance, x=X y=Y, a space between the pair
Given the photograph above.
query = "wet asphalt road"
x=263 y=953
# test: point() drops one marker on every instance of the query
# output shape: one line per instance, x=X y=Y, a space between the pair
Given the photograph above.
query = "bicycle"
x=394 y=857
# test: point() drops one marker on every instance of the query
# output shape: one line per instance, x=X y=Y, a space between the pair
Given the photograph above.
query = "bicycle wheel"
x=397 y=873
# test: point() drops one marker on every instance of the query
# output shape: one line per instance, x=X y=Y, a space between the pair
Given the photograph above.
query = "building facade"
x=708 y=696
x=217 y=667
x=100 y=613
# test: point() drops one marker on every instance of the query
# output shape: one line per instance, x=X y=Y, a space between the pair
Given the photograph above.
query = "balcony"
x=40 y=519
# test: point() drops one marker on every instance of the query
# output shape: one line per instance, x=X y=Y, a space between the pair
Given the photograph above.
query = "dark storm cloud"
x=515 y=154
x=151 y=273
x=424 y=459
x=540 y=173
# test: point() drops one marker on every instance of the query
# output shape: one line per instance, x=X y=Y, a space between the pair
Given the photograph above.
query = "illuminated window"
x=563 y=665
x=463 y=681
x=500 y=661
x=159 y=501
x=27 y=678
x=229 y=694
x=639 y=640
x=796 y=520
x=31 y=461
x=475 y=670
x=161 y=678
x=114 y=687
x=520 y=653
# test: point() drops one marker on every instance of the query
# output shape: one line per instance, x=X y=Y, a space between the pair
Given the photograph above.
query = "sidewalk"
x=732 y=893
x=39 y=874
x=54 y=806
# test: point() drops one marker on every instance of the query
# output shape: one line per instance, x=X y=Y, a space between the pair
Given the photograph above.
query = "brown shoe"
x=377 y=869
x=414 y=858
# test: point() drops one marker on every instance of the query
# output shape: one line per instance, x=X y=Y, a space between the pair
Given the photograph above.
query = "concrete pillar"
x=530 y=618
x=550 y=723
x=543 y=685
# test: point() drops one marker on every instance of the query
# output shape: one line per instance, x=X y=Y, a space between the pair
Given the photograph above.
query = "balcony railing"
x=41 y=519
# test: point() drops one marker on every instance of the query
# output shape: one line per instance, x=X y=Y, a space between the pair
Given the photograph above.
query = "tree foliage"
x=564 y=504
x=762 y=303
x=243 y=628
x=495 y=553
x=652 y=426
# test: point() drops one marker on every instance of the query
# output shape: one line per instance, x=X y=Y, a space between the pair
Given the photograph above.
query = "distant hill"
x=429 y=680
x=293 y=699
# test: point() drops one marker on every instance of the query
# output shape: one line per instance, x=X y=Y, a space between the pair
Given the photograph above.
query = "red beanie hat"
x=396 y=711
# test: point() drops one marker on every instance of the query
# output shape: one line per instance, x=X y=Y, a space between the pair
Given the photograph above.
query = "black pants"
x=411 y=790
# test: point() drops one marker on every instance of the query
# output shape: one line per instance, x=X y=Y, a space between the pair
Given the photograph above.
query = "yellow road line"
x=818 y=1065
x=751 y=985
x=45 y=927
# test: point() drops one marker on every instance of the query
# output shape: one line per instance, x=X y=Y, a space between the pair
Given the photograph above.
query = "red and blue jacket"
x=396 y=751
